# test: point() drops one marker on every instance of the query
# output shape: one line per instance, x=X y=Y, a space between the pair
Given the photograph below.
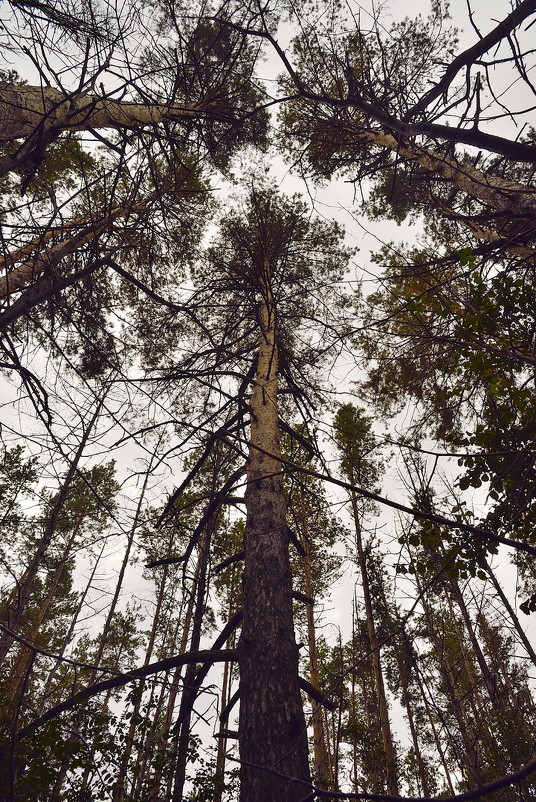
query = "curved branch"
x=38 y=650
x=192 y=691
x=516 y=151
x=316 y=694
x=503 y=29
x=224 y=715
x=42 y=290
x=206 y=656
x=234 y=558
x=306 y=686
x=302 y=597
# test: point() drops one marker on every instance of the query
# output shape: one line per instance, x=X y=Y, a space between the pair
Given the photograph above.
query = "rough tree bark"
x=272 y=728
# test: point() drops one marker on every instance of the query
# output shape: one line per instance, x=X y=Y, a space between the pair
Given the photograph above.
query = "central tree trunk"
x=272 y=730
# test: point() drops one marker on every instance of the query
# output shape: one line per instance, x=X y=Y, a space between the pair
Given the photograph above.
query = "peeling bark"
x=27 y=111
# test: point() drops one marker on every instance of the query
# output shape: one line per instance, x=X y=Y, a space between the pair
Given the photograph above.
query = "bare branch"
x=469 y=56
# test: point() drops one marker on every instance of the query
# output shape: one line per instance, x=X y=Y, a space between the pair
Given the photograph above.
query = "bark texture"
x=32 y=110
x=272 y=729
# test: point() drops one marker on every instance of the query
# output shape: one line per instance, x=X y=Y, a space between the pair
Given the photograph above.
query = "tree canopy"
x=267 y=499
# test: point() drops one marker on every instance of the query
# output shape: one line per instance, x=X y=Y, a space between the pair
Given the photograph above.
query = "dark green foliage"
x=18 y=476
x=357 y=444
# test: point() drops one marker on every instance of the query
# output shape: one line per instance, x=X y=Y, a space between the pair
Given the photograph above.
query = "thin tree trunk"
x=385 y=727
x=469 y=738
x=337 y=716
x=170 y=707
x=404 y=661
x=489 y=680
x=69 y=634
x=145 y=756
x=323 y=772
x=189 y=693
x=18 y=672
x=15 y=608
x=111 y=612
x=64 y=770
x=472 y=696
x=437 y=739
x=515 y=620
x=119 y=785
x=234 y=600
x=353 y=706
x=219 y=774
